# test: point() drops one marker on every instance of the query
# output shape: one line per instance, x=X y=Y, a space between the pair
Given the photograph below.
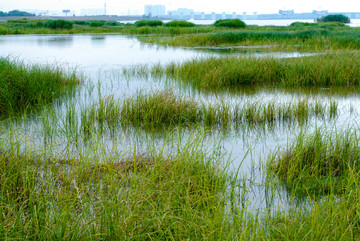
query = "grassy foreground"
x=148 y=196
x=323 y=70
x=152 y=196
x=26 y=87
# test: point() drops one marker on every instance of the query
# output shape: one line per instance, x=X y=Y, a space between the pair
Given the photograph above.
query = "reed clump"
x=151 y=23
x=230 y=23
x=103 y=115
x=340 y=18
x=24 y=87
x=323 y=70
x=179 y=23
x=164 y=109
x=319 y=163
x=160 y=109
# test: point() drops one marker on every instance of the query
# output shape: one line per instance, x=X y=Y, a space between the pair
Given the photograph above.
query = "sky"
x=207 y=6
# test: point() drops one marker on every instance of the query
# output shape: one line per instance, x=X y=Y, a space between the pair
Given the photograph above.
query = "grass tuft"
x=319 y=163
x=24 y=87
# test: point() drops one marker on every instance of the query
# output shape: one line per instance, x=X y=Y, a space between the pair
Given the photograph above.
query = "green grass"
x=25 y=26
x=156 y=195
x=321 y=167
x=334 y=18
x=151 y=23
x=165 y=109
x=319 y=163
x=335 y=218
x=141 y=197
x=160 y=109
x=322 y=70
x=314 y=37
x=230 y=23
x=299 y=37
x=88 y=191
x=179 y=23
x=27 y=87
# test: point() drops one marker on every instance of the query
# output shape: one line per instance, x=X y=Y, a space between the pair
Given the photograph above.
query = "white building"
x=92 y=12
x=155 y=10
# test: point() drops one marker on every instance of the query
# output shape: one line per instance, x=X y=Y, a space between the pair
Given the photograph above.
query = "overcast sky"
x=137 y=6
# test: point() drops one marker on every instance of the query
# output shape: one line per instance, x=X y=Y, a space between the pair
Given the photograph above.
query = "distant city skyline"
x=117 y=7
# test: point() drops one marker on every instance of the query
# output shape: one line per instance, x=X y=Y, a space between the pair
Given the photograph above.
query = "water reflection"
x=56 y=41
x=98 y=40
x=231 y=92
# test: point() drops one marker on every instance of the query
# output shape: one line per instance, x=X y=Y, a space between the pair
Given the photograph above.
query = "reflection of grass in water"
x=24 y=87
x=332 y=69
x=165 y=109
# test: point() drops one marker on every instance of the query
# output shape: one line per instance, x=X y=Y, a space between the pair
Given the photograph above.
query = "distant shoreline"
x=74 y=18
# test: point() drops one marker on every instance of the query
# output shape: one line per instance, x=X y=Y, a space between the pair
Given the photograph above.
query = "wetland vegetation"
x=165 y=109
x=26 y=87
x=323 y=70
x=69 y=171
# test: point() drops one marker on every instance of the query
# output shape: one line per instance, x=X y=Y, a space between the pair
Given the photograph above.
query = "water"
x=101 y=58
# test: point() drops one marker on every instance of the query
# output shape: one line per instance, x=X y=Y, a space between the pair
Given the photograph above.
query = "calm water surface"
x=101 y=59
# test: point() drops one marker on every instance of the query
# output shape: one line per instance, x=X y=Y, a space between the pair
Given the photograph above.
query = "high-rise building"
x=155 y=10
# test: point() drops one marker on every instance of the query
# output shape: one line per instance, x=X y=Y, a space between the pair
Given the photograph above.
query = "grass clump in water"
x=160 y=109
x=230 y=23
x=165 y=109
x=332 y=69
x=179 y=23
x=340 y=18
x=151 y=23
x=319 y=163
x=24 y=87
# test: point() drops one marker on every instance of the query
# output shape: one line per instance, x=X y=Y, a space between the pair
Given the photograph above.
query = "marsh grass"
x=140 y=197
x=310 y=38
x=27 y=87
x=160 y=109
x=323 y=70
x=230 y=23
x=90 y=193
x=319 y=163
x=147 y=27
x=334 y=218
x=321 y=167
x=165 y=109
x=180 y=23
